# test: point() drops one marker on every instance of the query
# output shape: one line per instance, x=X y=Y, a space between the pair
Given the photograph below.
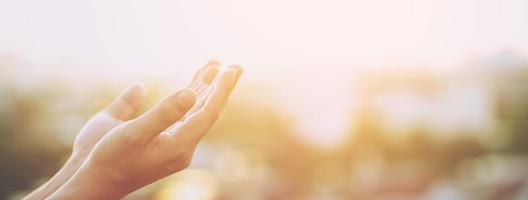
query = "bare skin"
x=113 y=157
x=121 y=109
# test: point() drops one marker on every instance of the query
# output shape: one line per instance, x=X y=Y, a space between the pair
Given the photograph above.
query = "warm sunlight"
x=357 y=99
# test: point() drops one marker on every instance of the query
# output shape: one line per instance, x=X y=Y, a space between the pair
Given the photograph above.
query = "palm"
x=121 y=109
x=160 y=141
x=93 y=131
x=126 y=106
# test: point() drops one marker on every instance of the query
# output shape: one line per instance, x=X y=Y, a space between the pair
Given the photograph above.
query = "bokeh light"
x=377 y=99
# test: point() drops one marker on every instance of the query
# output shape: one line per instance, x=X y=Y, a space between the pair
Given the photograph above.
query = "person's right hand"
x=156 y=144
x=122 y=108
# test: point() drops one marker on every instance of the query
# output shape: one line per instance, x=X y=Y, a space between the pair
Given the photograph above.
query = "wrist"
x=75 y=160
x=90 y=183
x=59 y=179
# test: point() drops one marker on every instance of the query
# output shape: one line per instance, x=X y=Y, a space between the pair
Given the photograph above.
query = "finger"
x=210 y=73
x=199 y=76
x=205 y=79
x=220 y=94
x=200 y=122
x=164 y=114
x=207 y=76
x=204 y=88
x=202 y=97
x=127 y=103
x=195 y=77
x=201 y=90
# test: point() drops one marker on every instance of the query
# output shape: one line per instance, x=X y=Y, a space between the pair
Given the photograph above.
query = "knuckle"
x=211 y=113
x=130 y=139
x=180 y=164
x=179 y=104
x=165 y=115
x=224 y=92
x=172 y=108
x=127 y=134
x=185 y=163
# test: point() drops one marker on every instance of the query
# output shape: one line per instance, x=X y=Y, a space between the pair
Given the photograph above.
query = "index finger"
x=201 y=121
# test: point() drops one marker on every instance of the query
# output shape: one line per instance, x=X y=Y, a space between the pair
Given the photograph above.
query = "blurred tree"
x=251 y=124
x=509 y=79
x=28 y=149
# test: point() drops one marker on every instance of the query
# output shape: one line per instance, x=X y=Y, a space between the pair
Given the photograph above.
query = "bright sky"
x=134 y=34
x=168 y=39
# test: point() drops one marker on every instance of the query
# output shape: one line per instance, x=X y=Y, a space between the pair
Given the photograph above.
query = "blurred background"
x=377 y=99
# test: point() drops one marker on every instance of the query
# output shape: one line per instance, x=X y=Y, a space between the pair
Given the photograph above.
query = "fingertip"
x=210 y=74
x=135 y=94
x=239 y=70
x=227 y=77
x=199 y=74
x=140 y=87
x=213 y=63
x=186 y=97
x=226 y=82
x=231 y=72
x=128 y=102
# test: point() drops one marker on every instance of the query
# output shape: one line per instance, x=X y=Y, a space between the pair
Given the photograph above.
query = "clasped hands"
x=114 y=155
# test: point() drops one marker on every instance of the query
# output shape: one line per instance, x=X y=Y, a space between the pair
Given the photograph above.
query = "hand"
x=156 y=144
x=120 y=110
x=123 y=108
x=126 y=106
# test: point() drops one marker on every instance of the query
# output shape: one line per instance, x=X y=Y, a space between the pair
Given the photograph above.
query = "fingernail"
x=238 y=69
x=187 y=98
x=231 y=72
x=134 y=94
x=210 y=74
x=211 y=64
x=140 y=87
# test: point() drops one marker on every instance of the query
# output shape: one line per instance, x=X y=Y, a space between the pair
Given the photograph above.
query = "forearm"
x=61 y=177
x=86 y=184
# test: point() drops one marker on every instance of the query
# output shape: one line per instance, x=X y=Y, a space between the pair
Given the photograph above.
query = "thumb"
x=127 y=103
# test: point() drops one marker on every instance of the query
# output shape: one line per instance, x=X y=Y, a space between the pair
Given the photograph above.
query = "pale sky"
x=140 y=34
